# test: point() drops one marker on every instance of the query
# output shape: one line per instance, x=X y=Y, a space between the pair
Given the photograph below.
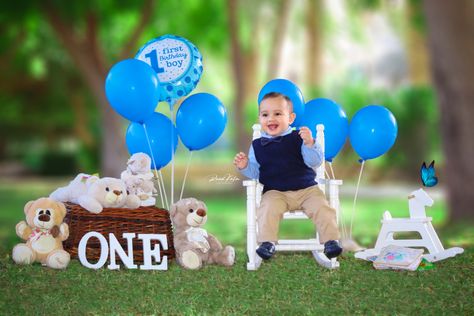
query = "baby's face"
x=275 y=116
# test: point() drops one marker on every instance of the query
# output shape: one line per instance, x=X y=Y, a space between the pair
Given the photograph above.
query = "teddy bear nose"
x=117 y=192
x=201 y=212
x=44 y=218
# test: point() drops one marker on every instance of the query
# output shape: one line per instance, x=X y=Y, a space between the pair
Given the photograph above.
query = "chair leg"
x=254 y=260
x=324 y=261
x=321 y=258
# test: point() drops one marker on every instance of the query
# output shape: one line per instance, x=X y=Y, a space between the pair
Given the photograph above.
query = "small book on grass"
x=398 y=258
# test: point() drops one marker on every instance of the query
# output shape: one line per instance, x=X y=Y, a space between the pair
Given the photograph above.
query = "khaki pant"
x=310 y=200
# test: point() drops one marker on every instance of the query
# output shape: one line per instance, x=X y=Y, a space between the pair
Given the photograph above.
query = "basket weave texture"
x=144 y=220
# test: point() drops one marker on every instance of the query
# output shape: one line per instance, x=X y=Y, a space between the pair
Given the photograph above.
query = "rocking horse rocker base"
x=418 y=222
x=312 y=245
x=296 y=245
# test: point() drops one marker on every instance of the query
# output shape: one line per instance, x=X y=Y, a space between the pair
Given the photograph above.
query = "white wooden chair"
x=254 y=193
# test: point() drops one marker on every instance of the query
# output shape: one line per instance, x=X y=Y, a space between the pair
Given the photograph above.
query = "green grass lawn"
x=291 y=283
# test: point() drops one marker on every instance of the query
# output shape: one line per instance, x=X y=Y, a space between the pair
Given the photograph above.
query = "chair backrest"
x=320 y=171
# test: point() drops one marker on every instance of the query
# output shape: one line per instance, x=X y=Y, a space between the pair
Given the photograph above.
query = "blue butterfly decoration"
x=428 y=176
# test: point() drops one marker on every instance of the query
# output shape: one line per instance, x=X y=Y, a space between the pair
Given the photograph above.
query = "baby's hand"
x=241 y=160
x=305 y=134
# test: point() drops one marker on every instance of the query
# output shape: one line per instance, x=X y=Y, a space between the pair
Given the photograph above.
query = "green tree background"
x=54 y=57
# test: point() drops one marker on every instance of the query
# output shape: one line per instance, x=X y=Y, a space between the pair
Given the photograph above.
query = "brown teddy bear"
x=44 y=232
x=194 y=246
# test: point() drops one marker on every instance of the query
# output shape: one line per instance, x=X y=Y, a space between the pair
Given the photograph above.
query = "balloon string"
x=341 y=220
x=159 y=187
x=343 y=226
x=172 y=149
x=355 y=198
x=186 y=174
x=332 y=171
x=163 y=185
x=327 y=174
x=154 y=164
x=157 y=179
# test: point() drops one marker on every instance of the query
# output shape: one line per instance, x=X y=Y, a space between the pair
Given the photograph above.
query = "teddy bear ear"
x=173 y=210
x=28 y=206
x=61 y=208
x=92 y=179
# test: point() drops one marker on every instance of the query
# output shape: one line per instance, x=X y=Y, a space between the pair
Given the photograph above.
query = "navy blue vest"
x=282 y=166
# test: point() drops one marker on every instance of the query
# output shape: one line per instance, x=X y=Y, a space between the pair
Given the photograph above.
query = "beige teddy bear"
x=194 y=245
x=138 y=178
x=44 y=232
x=94 y=193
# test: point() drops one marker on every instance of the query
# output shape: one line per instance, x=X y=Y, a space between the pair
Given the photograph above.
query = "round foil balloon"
x=177 y=62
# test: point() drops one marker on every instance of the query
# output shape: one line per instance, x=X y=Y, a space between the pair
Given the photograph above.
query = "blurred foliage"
x=417 y=115
x=38 y=114
x=418 y=135
x=417 y=19
x=42 y=92
x=363 y=5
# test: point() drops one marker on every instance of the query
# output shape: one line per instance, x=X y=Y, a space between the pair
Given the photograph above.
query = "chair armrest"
x=249 y=183
x=329 y=181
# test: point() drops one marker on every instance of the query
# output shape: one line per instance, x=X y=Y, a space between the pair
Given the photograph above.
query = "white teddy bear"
x=138 y=178
x=94 y=193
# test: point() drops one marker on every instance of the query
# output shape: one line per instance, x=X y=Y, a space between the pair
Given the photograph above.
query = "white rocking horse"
x=418 y=222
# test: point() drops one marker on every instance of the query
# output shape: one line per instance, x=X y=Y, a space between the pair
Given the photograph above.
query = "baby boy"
x=283 y=161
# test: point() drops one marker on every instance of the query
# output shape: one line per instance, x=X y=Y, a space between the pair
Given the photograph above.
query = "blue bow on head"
x=265 y=140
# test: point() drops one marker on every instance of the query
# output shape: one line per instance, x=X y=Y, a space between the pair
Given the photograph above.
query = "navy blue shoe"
x=332 y=249
x=266 y=250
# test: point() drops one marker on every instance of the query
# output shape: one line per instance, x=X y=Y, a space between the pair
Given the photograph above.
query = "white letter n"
x=115 y=247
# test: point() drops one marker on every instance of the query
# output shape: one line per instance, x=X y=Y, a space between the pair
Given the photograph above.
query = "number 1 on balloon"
x=154 y=61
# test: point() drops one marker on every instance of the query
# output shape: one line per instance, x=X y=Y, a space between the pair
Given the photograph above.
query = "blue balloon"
x=162 y=135
x=177 y=62
x=336 y=126
x=132 y=89
x=373 y=131
x=289 y=89
x=200 y=120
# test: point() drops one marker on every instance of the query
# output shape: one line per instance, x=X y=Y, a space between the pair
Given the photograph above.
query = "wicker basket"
x=144 y=220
